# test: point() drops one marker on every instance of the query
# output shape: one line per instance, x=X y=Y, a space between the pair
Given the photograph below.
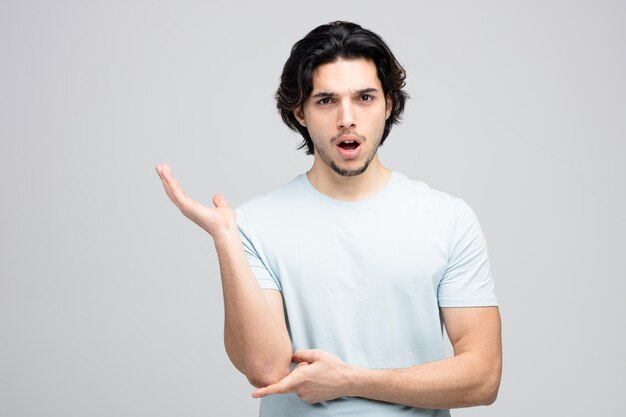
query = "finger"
x=306 y=355
x=285 y=385
x=173 y=188
x=169 y=178
x=166 y=187
x=219 y=201
x=159 y=170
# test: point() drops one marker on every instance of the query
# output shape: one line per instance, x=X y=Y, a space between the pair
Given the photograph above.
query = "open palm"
x=212 y=219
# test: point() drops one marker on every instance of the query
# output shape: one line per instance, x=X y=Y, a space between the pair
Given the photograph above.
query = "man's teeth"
x=349 y=144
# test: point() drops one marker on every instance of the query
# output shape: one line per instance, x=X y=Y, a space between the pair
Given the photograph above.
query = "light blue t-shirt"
x=364 y=279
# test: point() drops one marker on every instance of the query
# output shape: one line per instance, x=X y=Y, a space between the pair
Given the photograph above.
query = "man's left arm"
x=471 y=377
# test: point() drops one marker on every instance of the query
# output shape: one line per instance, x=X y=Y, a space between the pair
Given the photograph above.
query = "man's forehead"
x=343 y=75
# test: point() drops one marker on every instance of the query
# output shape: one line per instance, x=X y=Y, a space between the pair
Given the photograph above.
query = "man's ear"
x=388 y=106
x=299 y=114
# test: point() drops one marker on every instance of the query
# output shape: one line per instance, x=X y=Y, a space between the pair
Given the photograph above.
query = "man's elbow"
x=268 y=375
x=489 y=390
x=489 y=398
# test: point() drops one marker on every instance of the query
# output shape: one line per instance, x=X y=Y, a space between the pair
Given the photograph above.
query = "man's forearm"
x=460 y=381
x=255 y=342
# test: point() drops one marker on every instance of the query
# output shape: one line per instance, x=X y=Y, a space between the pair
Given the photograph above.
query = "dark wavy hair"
x=328 y=43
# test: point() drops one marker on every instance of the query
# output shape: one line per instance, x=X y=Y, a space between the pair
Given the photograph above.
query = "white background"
x=110 y=300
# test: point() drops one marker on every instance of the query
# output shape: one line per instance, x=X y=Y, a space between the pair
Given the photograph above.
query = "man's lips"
x=349 y=146
x=348 y=138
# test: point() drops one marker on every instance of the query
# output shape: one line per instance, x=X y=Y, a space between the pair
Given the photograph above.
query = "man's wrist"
x=226 y=236
x=357 y=377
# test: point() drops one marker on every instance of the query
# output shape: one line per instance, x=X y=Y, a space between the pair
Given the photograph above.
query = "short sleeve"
x=467 y=280
x=262 y=273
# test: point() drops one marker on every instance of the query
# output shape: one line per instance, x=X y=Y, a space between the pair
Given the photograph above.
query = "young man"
x=350 y=270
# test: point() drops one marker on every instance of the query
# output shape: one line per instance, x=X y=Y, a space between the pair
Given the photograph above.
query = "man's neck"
x=358 y=187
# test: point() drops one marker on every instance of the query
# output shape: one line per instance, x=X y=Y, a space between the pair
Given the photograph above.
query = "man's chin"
x=346 y=172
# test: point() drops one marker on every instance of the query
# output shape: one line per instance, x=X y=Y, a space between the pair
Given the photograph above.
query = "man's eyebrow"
x=323 y=94
x=326 y=94
x=366 y=90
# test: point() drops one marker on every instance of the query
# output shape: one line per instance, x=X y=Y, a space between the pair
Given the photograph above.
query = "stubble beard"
x=344 y=172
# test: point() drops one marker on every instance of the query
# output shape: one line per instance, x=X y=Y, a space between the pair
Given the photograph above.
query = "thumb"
x=306 y=355
x=219 y=201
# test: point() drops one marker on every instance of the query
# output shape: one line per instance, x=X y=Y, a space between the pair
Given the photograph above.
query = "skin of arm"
x=471 y=377
x=255 y=334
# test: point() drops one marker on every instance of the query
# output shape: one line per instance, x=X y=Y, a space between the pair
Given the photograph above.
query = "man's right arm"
x=255 y=333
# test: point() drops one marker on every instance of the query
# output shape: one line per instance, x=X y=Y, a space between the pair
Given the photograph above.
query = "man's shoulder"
x=424 y=193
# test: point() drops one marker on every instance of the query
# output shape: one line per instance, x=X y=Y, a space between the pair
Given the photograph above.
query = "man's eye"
x=324 y=101
x=366 y=97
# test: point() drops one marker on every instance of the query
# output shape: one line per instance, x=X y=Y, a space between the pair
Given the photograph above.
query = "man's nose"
x=346 y=119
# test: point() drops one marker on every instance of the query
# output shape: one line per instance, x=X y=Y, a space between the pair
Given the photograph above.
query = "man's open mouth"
x=349 y=144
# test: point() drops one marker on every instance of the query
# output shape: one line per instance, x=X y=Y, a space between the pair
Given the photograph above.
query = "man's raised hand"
x=215 y=220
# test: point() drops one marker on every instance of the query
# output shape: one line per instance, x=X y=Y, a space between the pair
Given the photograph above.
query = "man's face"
x=345 y=115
